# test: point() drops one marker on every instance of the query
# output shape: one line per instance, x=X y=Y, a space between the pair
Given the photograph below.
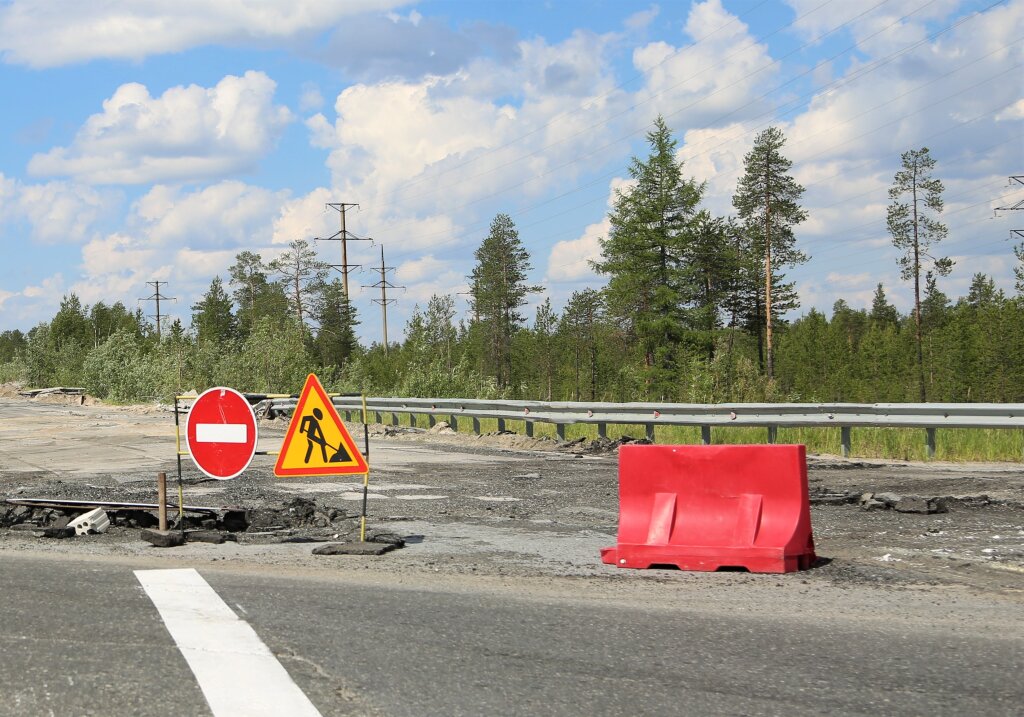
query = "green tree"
x=303 y=276
x=498 y=288
x=916 y=199
x=336 y=337
x=212 y=319
x=767 y=201
x=254 y=294
x=645 y=256
x=714 y=269
x=580 y=325
x=882 y=312
x=544 y=359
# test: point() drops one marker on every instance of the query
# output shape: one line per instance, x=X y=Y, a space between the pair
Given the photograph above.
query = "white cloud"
x=641 y=19
x=56 y=212
x=59 y=32
x=49 y=287
x=227 y=213
x=185 y=134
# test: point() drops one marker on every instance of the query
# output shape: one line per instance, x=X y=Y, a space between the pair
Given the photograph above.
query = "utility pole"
x=157 y=296
x=344 y=236
x=1019 y=206
x=384 y=285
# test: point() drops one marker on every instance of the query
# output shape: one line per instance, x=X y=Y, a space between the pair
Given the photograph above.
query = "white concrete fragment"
x=95 y=521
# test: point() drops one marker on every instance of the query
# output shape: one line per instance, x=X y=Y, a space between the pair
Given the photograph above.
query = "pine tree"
x=498 y=288
x=255 y=296
x=580 y=325
x=767 y=200
x=713 y=265
x=544 y=358
x=646 y=257
x=914 y=229
x=303 y=275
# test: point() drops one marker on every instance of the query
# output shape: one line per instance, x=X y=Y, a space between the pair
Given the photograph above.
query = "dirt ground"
x=502 y=506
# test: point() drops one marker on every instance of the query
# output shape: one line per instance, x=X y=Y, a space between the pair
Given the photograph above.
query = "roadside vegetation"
x=692 y=311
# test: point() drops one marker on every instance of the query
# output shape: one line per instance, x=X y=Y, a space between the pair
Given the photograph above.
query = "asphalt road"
x=82 y=638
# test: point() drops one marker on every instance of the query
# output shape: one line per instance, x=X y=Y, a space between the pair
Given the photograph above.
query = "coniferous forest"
x=692 y=310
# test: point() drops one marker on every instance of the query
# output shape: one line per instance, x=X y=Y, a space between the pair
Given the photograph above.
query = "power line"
x=157 y=297
x=383 y=301
x=344 y=236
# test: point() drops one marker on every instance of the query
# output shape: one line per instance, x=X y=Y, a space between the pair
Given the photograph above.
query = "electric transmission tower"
x=157 y=297
x=1015 y=179
x=384 y=285
x=344 y=236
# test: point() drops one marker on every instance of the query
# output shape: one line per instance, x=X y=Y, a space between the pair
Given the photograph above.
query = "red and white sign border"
x=255 y=432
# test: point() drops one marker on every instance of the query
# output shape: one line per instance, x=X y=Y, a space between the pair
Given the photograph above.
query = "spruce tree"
x=645 y=257
x=335 y=338
x=212 y=319
x=882 y=312
x=916 y=201
x=498 y=288
x=767 y=201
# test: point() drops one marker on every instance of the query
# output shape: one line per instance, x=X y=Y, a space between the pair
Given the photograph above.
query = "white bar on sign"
x=222 y=433
x=236 y=671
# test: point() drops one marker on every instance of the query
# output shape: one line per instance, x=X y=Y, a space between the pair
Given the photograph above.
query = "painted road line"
x=236 y=672
x=222 y=432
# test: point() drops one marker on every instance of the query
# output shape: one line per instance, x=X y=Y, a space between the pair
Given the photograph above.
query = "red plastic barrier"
x=711 y=507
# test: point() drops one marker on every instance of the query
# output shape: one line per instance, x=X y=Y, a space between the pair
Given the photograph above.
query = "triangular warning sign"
x=317 y=442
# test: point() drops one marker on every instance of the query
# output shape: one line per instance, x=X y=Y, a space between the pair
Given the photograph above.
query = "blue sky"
x=155 y=140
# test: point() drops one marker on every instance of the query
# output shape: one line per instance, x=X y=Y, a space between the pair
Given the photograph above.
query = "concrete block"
x=208 y=536
x=890 y=499
x=163 y=538
x=913 y=504
x=354 y=549
x=95 y=521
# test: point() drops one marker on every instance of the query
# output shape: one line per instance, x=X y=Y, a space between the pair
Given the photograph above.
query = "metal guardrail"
x=846 y=416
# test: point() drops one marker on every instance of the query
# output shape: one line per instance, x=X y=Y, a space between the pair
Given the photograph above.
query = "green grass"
x=951 y=444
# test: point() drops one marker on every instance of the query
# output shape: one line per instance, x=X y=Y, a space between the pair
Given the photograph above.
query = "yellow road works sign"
x=317 y=442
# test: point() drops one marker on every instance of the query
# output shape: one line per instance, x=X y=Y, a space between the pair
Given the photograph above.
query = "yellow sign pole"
x=366 y=476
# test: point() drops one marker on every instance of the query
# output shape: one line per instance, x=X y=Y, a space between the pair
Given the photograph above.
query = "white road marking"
x=222 y=433
x=236 y=672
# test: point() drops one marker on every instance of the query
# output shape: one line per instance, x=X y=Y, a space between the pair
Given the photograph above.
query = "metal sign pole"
x=366 y=476
x=181 y=493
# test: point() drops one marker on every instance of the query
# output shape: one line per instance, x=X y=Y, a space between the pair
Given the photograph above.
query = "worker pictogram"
x=317 y=442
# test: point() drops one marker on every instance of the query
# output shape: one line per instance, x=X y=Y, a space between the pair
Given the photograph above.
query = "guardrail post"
x=560 y=431
x=348 y=416
x=930 y=442
x=844 y=433
x=773 y=433
x=455 y=423
x=602 y=430
x=431 y=420
x=501 y=425
x=412 y=420
x=476 y=425
x=705 y=435
x=394 y=418
x=380 y=418
x=649 y=431
x=529 y=428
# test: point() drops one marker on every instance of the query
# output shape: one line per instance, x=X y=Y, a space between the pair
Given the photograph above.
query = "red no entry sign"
x=221 y=433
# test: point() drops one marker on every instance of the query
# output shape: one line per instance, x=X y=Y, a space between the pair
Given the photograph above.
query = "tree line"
x=692 y=311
